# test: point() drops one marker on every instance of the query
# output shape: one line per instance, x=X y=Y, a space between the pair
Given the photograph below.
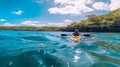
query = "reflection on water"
x=49 y=49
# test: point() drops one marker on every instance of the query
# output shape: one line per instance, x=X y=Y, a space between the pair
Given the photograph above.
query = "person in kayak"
x=76 y=36
x=76 y=33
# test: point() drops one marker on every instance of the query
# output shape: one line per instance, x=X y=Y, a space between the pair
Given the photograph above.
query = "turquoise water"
x=49 y=49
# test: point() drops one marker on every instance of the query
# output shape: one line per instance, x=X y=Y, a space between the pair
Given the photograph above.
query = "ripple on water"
x=48 y=49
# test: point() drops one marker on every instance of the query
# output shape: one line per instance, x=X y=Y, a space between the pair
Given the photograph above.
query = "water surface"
x=49 y=49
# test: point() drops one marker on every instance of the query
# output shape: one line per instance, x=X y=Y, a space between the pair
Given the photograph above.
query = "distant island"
x=104 y=23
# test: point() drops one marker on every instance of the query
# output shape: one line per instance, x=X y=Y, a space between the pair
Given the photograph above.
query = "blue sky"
x=51 y=12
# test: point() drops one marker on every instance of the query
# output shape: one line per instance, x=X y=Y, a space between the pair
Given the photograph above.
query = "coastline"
x=114 y=29
x=95 y=29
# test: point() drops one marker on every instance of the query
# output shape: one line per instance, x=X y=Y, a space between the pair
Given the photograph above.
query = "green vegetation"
x=30 y=28
x=108 y=22
x=113 y=18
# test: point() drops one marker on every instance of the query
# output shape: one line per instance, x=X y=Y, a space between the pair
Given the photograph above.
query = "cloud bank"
x=39 y=24
x=77 y=7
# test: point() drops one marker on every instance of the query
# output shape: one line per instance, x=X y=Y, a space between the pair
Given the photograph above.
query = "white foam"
x=10 y=63
x=76 y=58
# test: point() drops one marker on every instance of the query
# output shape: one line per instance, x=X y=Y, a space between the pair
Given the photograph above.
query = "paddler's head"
x=76 y=30
x=76 y=33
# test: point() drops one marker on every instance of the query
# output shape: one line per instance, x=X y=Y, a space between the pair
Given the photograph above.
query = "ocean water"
x=49 y=49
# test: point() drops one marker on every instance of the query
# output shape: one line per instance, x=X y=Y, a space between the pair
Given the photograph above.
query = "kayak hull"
x=76 y=38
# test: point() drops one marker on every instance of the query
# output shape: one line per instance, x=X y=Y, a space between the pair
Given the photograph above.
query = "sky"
x=51 y=12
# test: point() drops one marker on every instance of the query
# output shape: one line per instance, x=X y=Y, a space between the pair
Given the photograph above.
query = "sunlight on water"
x=49 y=49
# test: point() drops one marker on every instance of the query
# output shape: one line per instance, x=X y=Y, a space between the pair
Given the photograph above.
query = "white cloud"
x=115 y=4
x=64 y=10
x=59 y=24
x=39 y=1
x=68 y=21
x=30 y=23
x=2 y=20
x=100 y=6
x=9 y=24
x=71 y=7
x=54 y=24
x=19 y=12
x=73 y=2
x=77 y=7
x=38 y=24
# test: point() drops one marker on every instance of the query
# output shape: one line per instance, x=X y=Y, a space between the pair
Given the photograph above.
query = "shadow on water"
x=104 y=59
x=2 y=38
x=103 y=64
x=36 y=58
x=35 y=38
x=105 y=45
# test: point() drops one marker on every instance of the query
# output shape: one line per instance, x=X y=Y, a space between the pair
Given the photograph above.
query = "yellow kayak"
x=76 y=38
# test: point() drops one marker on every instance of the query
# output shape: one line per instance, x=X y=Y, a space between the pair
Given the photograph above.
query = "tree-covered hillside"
x=104 y=23
x=113 y=18
x=30 y=28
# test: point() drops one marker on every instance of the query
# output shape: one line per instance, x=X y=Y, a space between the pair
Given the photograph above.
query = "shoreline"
x=109 y=29
x=66 y=31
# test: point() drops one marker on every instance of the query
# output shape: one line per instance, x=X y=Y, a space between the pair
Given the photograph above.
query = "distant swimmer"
x=76 y=36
